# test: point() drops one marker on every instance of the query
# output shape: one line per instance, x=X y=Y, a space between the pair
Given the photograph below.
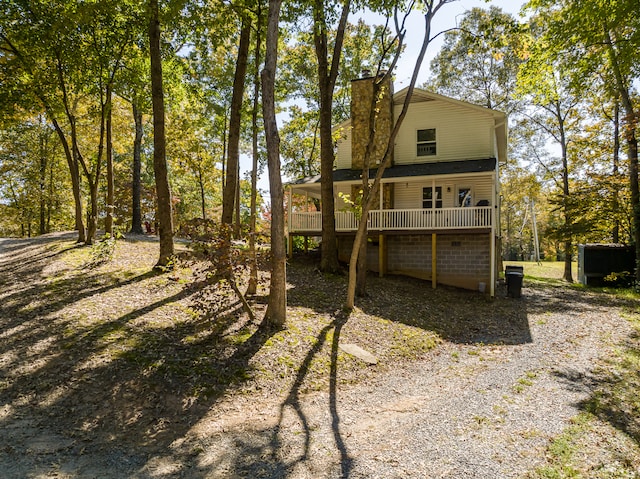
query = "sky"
x=446 y=18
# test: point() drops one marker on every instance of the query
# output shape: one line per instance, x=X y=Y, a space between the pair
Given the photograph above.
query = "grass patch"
x=524 y=382
x=545 y=270
x=410 y=342
x=589 y=450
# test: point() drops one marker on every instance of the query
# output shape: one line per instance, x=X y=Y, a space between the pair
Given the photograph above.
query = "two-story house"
x=438 y=212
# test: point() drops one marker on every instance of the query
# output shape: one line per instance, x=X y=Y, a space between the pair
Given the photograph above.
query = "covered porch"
x=429 y=197
x=456 y=202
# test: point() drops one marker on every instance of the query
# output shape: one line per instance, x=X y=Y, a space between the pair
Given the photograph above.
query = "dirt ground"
x=113 y=371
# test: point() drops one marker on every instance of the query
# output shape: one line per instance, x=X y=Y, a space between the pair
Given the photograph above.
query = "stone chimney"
x=361 y=99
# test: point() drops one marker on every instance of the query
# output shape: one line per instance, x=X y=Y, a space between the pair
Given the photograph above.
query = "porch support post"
x=382 y=255
x=434 y=200
x=433 y=194
x=492 y=244
x=288 y=224
x=289 y=207
x=492 y=257
x=434 y=260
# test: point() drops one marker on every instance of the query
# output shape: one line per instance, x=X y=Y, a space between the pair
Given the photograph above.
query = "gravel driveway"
x=465 y=411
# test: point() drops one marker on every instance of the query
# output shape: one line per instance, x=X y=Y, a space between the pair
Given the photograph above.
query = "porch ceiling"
x=407 y=171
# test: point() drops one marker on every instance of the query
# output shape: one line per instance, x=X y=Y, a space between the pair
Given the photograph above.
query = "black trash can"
x=511 y=269
x=514 y=283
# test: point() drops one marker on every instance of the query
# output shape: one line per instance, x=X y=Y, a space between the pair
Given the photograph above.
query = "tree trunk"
x=43 y=184
x=361 y=270
x=78 y=159
x=92 y=220
x=50 y=195
x=326 y=79
x=631 y=124
x=252 y=287
x=94 y=178
x=237 y=224
x=367 y=192
x=361 y=234
x=632 y=148
x=203 y=201
x=568 y=244
x=163 y=193
x=632 y=153
x=223 y=168
x=108 y=222
x=615 y=201
x=136 y=189
x=235 y=118
x=74 y=172
x=277 y=307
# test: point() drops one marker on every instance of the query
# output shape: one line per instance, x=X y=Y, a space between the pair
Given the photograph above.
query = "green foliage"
x=354 y=205
x=301 y=143
x=519 y=187
x=298 y=243
x=33 y=181
x=619 y=278
x=479 y=60
x=561 y=55
x=102 y=251
x=300 y=135
x=595 y=46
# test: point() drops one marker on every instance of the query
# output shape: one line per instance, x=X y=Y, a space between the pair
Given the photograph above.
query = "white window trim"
x=415 y=136
x=457 y=197
x=434 y=202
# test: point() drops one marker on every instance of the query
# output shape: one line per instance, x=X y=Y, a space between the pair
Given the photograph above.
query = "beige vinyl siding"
x=343 y=154
x=480 y=187
x=461 y=133
x=408 y=194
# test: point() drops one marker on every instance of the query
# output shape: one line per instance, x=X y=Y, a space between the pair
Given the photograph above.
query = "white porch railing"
x=415 y=219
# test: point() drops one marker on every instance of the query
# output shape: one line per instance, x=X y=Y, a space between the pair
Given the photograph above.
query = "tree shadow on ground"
x=134 y=382
x=452 y=314
x=127 y=380
x=456 y=315
x=28 y=257
x=293 y=398
x=264 y=455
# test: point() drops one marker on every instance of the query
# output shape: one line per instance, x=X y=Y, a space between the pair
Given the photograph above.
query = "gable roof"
x=420 y=95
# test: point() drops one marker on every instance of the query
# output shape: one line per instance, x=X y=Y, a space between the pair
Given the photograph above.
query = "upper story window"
x=427 y=142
